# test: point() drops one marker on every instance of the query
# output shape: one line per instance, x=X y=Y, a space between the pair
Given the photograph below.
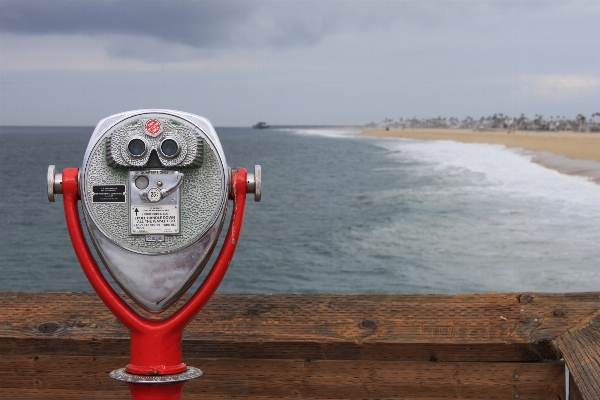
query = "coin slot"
x=141 y=182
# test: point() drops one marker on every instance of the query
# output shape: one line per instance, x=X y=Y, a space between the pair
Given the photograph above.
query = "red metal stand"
x=155 y=344
x=168 y=391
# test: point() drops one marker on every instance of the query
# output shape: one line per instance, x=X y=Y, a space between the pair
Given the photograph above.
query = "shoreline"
x=572 y=153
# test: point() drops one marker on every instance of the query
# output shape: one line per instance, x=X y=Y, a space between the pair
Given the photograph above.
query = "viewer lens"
x=136 y=147
x=169 y=148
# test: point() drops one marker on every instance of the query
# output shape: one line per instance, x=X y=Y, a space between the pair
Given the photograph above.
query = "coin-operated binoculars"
x=154 y=188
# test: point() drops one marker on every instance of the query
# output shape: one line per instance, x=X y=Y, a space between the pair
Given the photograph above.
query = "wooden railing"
x=482 y=346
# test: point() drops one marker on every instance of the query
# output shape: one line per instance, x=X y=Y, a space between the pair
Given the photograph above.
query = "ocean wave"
x=332 y=133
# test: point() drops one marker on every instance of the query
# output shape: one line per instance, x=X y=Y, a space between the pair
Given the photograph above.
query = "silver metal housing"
x=123 y=376
x=157 y=268
x=254 y=183
x=54 y=183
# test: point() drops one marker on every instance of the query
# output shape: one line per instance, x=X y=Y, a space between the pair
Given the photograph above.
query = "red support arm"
x=155 y=345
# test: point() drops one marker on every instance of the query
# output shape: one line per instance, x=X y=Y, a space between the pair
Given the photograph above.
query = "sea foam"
x=480 y=217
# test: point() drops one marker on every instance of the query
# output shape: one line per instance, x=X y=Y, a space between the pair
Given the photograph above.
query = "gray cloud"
x=198 y=24
x=319 y=61
x=218 y=24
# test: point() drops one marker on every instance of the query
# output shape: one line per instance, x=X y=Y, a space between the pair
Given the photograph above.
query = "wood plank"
x=478 y=327
x=275 y=350
x=305 y=379
x=574 y=392
x=39 y=394
x=62 y=345
x=580 y=347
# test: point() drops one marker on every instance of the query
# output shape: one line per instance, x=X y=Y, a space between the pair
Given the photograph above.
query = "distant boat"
x=261 y=125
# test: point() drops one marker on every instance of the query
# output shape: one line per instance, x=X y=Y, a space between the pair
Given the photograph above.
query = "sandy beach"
x=582 y=147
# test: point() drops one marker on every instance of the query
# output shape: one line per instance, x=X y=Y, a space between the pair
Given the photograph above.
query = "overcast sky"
x=297 y=62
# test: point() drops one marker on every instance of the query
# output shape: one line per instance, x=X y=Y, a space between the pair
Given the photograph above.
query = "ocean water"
x=343 y=214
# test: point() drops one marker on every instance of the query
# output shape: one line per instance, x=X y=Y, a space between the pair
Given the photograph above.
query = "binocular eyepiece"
x=154 y=187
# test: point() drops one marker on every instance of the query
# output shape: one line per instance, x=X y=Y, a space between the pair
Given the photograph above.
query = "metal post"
x=156 y=370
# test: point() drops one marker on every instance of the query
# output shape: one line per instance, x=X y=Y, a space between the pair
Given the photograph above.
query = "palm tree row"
x=499 y=121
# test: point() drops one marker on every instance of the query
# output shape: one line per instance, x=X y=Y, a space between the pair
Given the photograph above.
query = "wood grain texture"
x=580 y=347
x=574 y=392
x=62 y=345
x=306 y=379
x=386 y=327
